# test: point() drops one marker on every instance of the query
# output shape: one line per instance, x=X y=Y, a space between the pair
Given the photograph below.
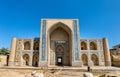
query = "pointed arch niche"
x=95 y=60
x=93 y=46
x=60 y=34
x=85 y=59
x=83 y=45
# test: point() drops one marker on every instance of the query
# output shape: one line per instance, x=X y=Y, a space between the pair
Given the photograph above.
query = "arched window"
x=27 y=45
x=95 y=60
x=83 y=45
x=36 y=46
x=93 y=46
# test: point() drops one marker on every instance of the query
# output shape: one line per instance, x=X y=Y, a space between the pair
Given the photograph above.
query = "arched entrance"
x=59 y=55
x=85 y=60
x=35 y=60
x=95 y=60
x=26 y=59
x=60 y=38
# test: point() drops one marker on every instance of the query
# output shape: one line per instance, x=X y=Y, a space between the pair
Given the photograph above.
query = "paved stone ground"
x=9 y=73
x=64 y=72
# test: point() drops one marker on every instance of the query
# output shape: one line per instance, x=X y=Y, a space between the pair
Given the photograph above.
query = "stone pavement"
x=58 y=71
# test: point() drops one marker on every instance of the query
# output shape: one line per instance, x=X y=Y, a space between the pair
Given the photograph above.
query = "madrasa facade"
x=59 y=44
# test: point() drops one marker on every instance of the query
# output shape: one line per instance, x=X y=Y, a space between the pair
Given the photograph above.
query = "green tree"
x=4 y=51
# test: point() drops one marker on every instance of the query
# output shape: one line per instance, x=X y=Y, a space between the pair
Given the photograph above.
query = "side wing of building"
x=24 y=51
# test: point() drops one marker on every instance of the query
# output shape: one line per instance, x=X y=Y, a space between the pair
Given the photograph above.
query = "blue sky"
x=21 y=18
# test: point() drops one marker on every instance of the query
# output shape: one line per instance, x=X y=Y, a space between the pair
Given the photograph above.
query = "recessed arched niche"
x=60 y=34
